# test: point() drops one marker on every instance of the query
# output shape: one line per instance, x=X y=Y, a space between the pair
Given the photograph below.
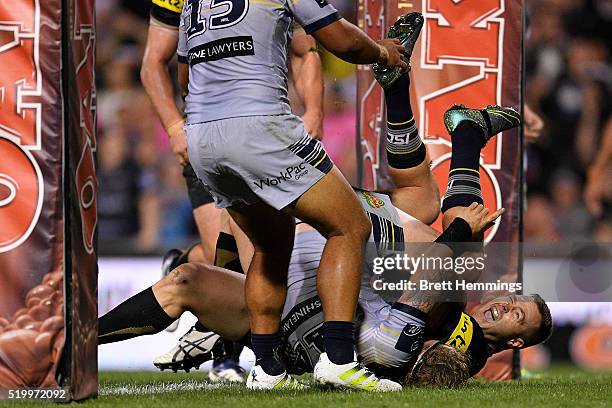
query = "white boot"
x=352 y=376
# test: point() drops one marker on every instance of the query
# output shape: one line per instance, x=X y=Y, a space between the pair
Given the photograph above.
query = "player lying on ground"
x=307 y=77
x=389 y=336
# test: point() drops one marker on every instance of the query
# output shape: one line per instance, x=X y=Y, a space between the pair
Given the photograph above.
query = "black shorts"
x=198 y=194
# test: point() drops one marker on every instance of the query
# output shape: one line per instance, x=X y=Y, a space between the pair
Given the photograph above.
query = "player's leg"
x=462 y=205
x=208 y=222
x=198 y=288
x=182 y=355
x=470 y=129
x=214 y=295
x=331 y=207
x=416 y=191
x=271 y=234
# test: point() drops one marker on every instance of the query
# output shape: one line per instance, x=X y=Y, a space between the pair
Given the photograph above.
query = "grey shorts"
x=252 y=158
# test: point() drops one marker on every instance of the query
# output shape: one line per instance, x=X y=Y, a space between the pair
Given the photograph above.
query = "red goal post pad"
x=48 y=262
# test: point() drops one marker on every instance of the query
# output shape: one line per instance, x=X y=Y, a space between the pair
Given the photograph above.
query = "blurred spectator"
x=569 y=84
x=118 y=189
x=539 y=223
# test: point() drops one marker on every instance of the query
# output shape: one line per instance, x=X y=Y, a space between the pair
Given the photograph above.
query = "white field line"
x=160 y=388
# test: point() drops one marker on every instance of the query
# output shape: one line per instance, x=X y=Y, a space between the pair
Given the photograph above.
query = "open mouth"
x=492 y=314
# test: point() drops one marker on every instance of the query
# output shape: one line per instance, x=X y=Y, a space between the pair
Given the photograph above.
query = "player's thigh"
x=270 y=231
x=208 y=221
x=332 y=207
x=415 y=230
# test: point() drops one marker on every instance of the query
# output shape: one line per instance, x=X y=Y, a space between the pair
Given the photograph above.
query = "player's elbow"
x=147 y=72
x=348 y=42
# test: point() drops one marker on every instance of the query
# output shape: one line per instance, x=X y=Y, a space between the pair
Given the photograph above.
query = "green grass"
x=558 y=387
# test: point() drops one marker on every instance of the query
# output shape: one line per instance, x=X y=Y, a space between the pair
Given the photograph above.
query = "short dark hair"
x=441 y=366
x=546 y=324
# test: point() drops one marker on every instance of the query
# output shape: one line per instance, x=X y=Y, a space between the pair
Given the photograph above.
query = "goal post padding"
x=48 y=261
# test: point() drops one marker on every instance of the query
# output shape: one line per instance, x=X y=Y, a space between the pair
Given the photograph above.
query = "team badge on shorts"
x=373 y=201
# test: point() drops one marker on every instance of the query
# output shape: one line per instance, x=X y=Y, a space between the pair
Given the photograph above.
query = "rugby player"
x=257 y=161
x=389 y=336
x=161 y=47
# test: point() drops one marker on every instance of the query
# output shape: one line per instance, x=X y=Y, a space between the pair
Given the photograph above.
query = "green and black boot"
x=407 y=29
x=492 y=120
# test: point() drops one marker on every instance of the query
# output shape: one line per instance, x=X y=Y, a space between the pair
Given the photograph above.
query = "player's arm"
x=597 y=180
x=183 y=66
x=341 y=38
x=183 y=77
x=350 y=43
x=307 y=75
x=466 y=224
x=160 y=49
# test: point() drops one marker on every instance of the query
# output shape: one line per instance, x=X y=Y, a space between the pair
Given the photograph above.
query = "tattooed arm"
x=434 y=284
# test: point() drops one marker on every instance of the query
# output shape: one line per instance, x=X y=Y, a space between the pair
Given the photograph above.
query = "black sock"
x=226 y=255
x=141 y=314
x=200 y=327
x=464 y=176
x=268 y=352
x=236 y=351
x=405 y=149
x=184 y=257
x=226 y=350
x=339 y=341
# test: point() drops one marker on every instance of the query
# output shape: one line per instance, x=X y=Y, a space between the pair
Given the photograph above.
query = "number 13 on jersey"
x=202 y=15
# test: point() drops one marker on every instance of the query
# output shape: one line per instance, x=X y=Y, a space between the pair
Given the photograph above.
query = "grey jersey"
x=303 y=312
x=237 y=53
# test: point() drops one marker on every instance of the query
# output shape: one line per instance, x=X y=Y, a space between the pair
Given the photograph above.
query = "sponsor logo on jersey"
x=372 y=200
x=462 y=335
x=221 y=48
x=172 y=5
x=290 y=173
x=412 y=330
x=410 y=340
x=301 y=313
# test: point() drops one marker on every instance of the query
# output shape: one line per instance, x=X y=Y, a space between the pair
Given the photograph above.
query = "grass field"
x=558 y=387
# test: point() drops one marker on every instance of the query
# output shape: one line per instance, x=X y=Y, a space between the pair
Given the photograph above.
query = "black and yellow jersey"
x=167 y=12
x=463 y=332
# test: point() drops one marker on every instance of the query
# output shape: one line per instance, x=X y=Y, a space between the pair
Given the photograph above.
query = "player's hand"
x=533 y=125
x=391 y=51
x=176 y=133
x=478 y=217
x=313 y=124
x=594 y=193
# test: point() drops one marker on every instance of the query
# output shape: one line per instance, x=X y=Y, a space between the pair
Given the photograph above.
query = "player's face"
x=508 y=320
